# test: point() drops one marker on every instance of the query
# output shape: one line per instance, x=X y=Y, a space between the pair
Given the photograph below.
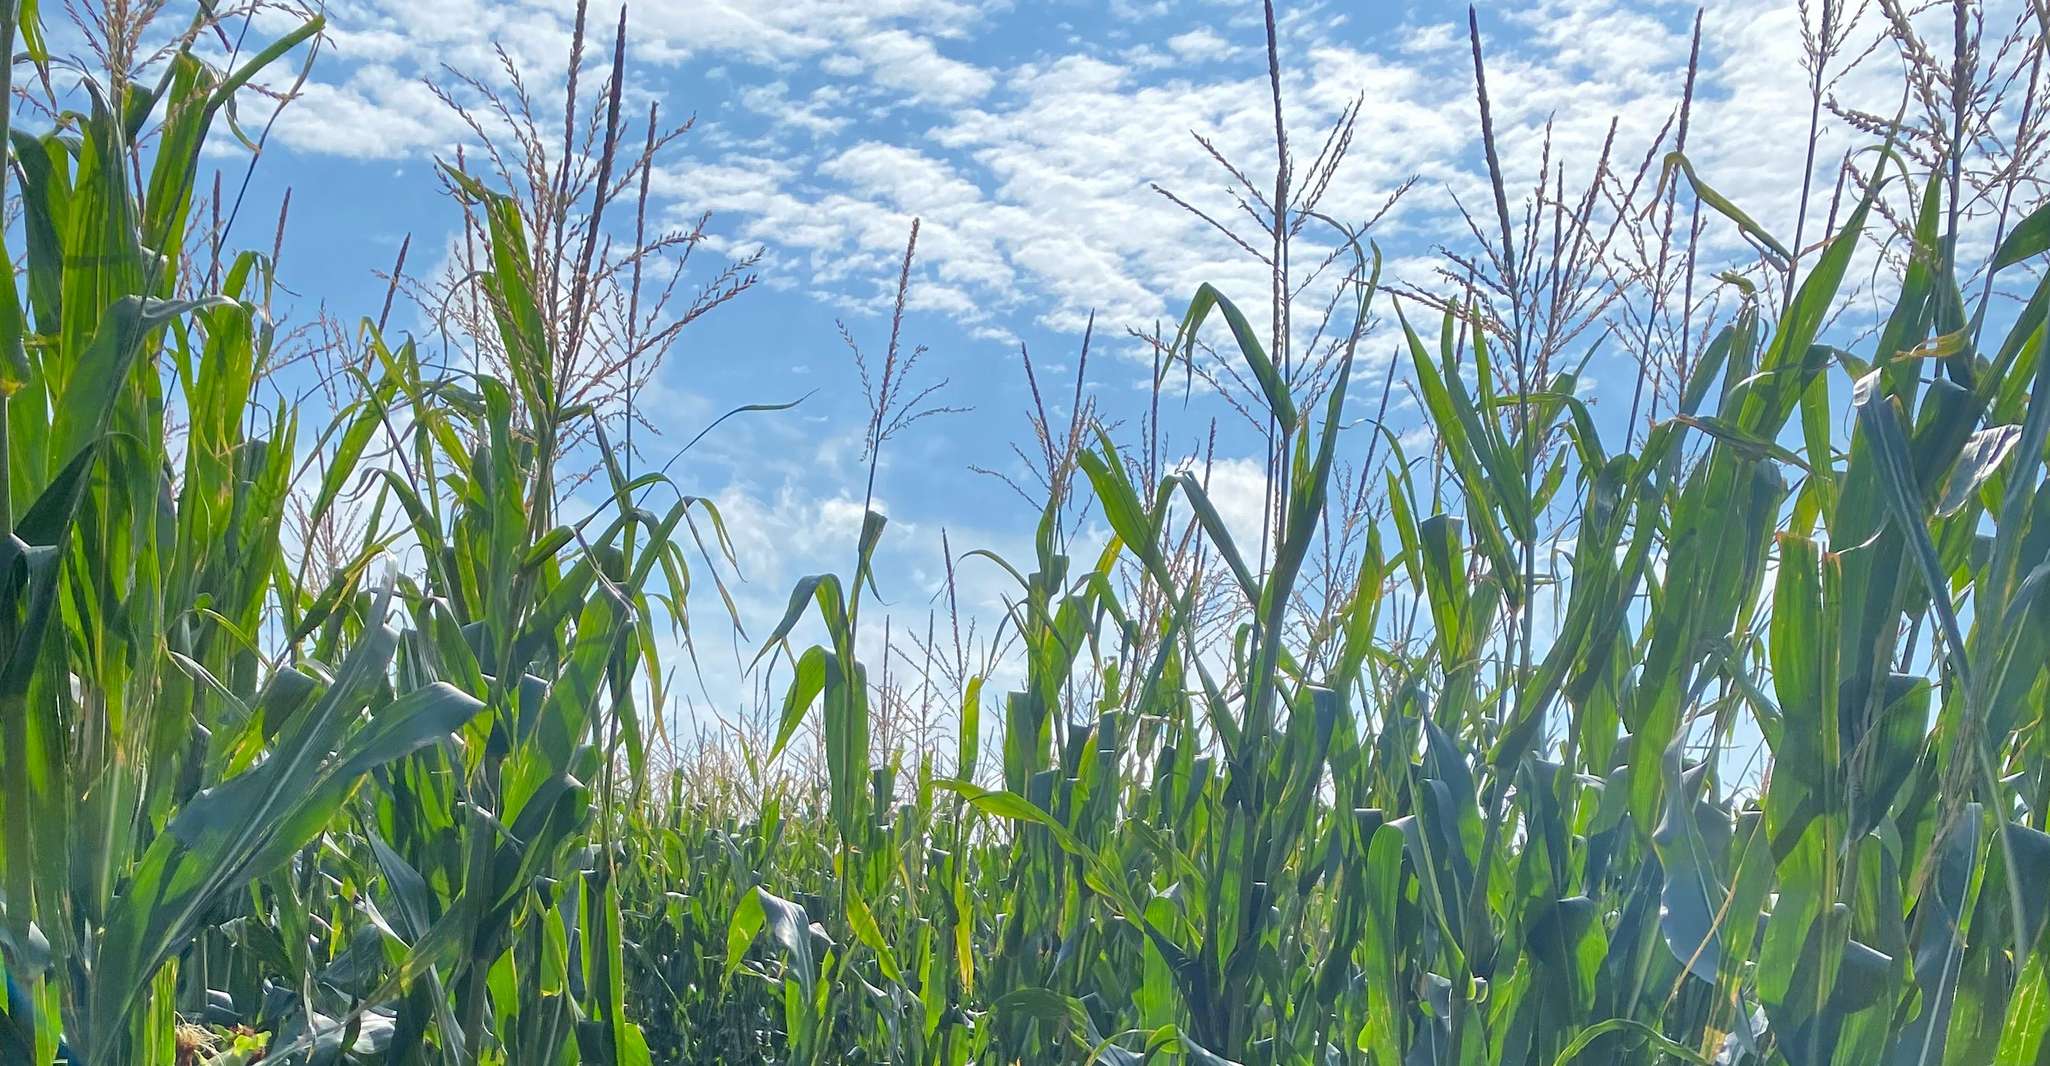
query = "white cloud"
x=1031 y=166
x=912 y=65
x=366 y=100
x=1238 y=489
x=1200 y=44
x=376 y=114
x=814 y=114
x=1032 y=176
x=1036 y=201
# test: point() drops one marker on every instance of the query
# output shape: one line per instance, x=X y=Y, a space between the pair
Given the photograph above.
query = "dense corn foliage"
x=408 y=809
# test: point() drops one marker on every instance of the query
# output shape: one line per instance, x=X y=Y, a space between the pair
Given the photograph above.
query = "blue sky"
x=1026 y=137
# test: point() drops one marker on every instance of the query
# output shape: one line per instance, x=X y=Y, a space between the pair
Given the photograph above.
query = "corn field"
x=1452 y=767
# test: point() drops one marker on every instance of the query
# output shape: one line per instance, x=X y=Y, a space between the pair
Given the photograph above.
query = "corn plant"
x=1466 y=789
x=1484 y=845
